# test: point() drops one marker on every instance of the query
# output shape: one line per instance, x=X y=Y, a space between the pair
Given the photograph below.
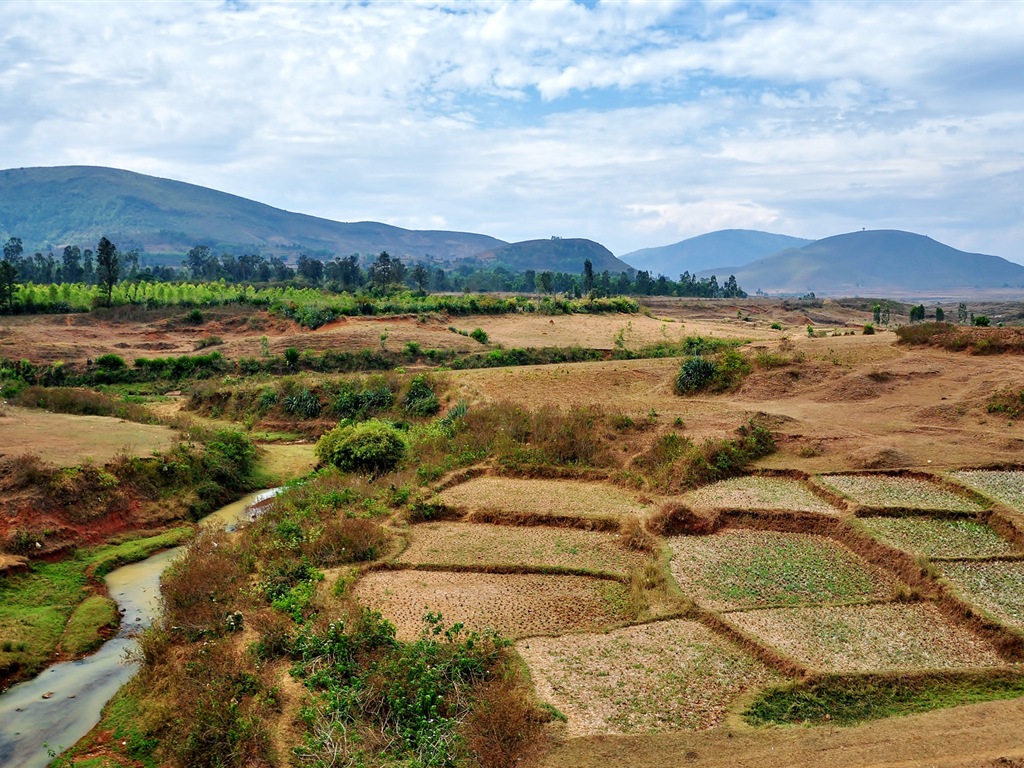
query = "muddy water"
x=75 y=691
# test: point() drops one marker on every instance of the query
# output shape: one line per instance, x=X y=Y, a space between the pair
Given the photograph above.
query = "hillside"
x=879 y=262
x=555 y=255
x=53 y=207
x=728 y=247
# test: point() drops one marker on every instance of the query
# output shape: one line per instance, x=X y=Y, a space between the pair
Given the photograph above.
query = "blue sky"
x=631 y=123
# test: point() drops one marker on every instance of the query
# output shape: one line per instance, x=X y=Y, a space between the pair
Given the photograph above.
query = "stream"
x=79 y=689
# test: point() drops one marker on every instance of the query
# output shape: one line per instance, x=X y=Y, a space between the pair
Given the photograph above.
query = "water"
x=79 y=689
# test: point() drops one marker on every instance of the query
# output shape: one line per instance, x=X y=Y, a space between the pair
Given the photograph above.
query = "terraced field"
x=939 y=537
x=996 y=586
x=739 y=569
x=755 y=492
x=882 y=491
x=516 y=605
x=884 y=637
x=482 y=545
x=543 y=497
x=1006 y=486
x=670 y=675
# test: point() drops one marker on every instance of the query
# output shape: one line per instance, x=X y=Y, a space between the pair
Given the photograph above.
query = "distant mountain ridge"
x=721 y=250
x=52 y=207
x=878 y=262
x=555 y=255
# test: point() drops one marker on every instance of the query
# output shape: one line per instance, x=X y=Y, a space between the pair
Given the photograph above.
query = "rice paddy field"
x=863 y=638
x=756 y=492
x=1006 y=486
x=740 y=569
x=516 y=605
x=483 y=545
x=542 y=497
x=670 y=675
x=939 y=538
x=996 y=586
x=883 y=491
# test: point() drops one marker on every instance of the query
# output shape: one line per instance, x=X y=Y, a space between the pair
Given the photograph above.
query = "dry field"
x=669 y=675
x=566 y=498
x=881 y=492
x=740 y=569
x=481 y=545
x=997 y=586
x=516 y=605
x=754 y=492
x=1006 y=486
x=940 y=538
x=864 y=638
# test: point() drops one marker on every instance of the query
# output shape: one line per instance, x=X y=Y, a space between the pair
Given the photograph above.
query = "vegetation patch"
x=865 y=638
x=516 y=605
x=738 y=569
x=846 y=701
x=998 y=587
x=668 y=675
x=939 y=537
x=89 y=625
x=758 y=492
x=543 y=497
x=1006 y=486
x=898 y=492
x=481 y=545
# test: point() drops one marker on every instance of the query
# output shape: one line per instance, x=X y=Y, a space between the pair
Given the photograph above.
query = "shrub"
x=420 y=400
x=110 y=362
x=869 y=329
x=479 y=334
x=694 y=374
x=373 y=447
x=776 y=326
x=303 y=404
x=981 y=321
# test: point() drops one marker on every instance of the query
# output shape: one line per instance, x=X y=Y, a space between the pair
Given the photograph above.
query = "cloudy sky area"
x=631 y=123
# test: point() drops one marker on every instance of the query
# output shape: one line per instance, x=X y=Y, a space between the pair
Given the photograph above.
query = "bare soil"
x=544 y=497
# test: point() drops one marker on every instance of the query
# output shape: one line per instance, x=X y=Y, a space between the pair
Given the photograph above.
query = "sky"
x=636 y=123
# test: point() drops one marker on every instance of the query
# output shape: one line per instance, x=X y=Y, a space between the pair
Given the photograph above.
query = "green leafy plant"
x=373 y=447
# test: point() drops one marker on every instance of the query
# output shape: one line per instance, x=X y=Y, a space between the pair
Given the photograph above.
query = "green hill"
x=879 y=262
x=555 y=255
x=730 y=248
x=53 y=207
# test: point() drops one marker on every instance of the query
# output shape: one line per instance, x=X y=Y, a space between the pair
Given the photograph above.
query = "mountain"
x=556 y=255
x=878 y=262
x=53 y=207
x=730 y=247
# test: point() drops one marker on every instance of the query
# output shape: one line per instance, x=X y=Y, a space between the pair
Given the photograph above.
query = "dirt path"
x=976 y=736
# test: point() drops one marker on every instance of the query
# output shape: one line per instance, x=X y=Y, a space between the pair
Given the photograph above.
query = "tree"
x=940 y=315
x=961 y=313
x=917 y=313
x=380 y=270
x=546 y=280
x=588 y=276
x=201 y=263
x=108 y=268
x=420 y=275
x=8 y=279
x=876 y=313
x=309 y=268
x=71 y=266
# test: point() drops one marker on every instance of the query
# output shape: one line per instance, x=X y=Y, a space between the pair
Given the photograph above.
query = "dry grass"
x=669 y=675
x=737 y=569
x=756 y=492
x=543 y=497
x=1006 y=486
x=481 y=545
x=939 y=537
x=886 y=637
x=998 y=587
x=516 y=605
x=881 y=491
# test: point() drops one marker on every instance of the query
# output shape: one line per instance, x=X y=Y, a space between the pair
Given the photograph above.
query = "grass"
x=745 y=569
x=89 y=622
x=846 y=701
x=882 y=491
x=755 y=492
x=551 y=497
x=665 y=676
x=995 y=586
x=939 y=537
x=868 y=638
x=1006 y=486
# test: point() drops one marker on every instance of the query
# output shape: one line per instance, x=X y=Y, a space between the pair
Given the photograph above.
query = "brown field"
x=480 y=545
x=755 y=492
x=890 y=636
x=543 y=497
x=998 y=587
x=67 y=440
x=516 y=605
x=898 y=492
x=665 y=676
x=740 y=569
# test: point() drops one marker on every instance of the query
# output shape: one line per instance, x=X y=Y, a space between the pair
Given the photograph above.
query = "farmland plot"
x=669 y=675
x=882 y=491
x=863 y=638
x=477 y=544
x=754 y=492
x=737 y=569
x=1006 y=486
x=996 y=586
x=938 y=537
x=516 y=605
x=543 y=497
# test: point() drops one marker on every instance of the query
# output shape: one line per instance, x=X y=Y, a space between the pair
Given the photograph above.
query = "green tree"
x=940 y=315
x=917 y=313
x=420 y=275
x=381 y=270
x=961 y=313
x=108 y=268
x=588 y=277
x=876 y=313
x=8 y=279
x=546 y=281
x=71 y=267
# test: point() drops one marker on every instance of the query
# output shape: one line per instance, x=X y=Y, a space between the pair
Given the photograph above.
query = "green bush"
x=112 y=362
x=479 y=334
x=421 y=400
x=982 y=321
x=869 y=329
x=695 y=374
x=373 y=447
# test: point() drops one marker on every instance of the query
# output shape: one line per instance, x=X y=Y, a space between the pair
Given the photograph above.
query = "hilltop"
x=556 y=255
x=724 y=251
